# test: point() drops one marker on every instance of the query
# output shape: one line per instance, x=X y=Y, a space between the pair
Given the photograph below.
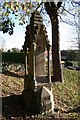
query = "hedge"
x=13 y=57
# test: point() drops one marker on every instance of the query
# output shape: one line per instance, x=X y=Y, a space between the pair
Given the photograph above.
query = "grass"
x=67 y=95
x=11 y=85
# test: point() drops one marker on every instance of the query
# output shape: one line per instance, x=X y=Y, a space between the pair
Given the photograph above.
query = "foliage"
x=15 y=50
x=7 y=26
x=78 y=57
x=9 y=50
x=72 y=55
x=19 y=9
x=13 y=57
x=67 y=63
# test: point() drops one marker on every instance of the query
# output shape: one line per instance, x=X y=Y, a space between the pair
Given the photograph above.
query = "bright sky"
x=67 y=36
x=67 y=33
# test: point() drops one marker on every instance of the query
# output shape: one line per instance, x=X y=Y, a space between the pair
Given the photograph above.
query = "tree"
x=20 y=10
x=52 y=11
x=72 y=55
x=9 y=50
x=2 y=44
x=15 y=50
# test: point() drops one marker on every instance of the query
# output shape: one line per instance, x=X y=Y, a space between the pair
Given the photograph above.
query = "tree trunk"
x=51 y=9
x=56 y=55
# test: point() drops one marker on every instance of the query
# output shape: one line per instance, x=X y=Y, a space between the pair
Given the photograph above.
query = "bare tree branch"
x=68 y=11
x=67 y=22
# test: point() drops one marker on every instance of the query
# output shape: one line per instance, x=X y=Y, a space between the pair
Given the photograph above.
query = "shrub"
x=67 y=63
x=13 y=57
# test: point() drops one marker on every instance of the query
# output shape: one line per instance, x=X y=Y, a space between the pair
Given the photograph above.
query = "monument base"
x=32 y=101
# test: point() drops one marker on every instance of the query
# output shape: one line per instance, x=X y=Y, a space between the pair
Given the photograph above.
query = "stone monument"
x=36 y=42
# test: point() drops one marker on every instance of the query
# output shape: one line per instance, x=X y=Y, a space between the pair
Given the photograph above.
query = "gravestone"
x=37 y=65
x=36 y=42
x=42 y=44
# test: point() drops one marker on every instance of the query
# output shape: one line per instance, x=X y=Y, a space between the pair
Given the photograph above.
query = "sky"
x=67 y=35
x=14 y=41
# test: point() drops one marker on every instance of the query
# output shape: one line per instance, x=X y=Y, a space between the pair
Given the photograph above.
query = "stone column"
x=26 y=69
x=48 y=49
x=26 y=64
x=30 y=79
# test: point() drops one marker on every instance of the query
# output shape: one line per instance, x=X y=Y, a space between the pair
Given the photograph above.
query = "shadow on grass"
x=8 y=73
x=26 y=104
x=12 y=106
x=75 y=110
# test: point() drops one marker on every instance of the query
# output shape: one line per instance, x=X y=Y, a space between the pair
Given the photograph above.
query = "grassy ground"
x=66 y=95
x=11 y=85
